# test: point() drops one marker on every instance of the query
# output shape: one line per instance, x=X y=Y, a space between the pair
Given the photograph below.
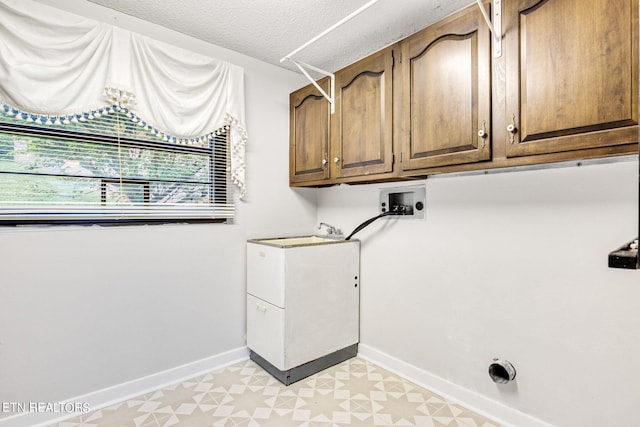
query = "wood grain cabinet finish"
x=309 y=134
x=571 y=75
x=446 y=95
x=361 y=127
x=564 y=88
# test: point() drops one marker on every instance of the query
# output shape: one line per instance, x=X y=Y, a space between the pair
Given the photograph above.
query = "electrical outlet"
x=407 y=202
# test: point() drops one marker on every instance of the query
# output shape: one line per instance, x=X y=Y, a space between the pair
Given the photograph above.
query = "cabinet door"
x=309 y=134
x=362 y=129
x=265 y=273
x=571 y=74
x=266 y=331
x=446 y=95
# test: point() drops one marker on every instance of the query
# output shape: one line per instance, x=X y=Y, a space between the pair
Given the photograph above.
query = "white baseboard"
x=506 y=416
x=118 y=393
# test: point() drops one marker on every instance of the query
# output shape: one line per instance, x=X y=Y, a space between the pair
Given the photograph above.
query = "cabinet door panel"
x=362 y=133
x=266 y=331
x=571 y=74
x=265 y=273
x=309 y=134
x=446 y=93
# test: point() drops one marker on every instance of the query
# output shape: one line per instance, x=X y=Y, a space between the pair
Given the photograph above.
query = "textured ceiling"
x=270 y=29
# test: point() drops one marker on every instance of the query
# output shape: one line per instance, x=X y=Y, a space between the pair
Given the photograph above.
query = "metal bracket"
x=301 y=65
x=496 y=27
x=332 y=87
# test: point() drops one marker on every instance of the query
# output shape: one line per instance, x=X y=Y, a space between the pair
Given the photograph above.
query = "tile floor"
x=353 y=393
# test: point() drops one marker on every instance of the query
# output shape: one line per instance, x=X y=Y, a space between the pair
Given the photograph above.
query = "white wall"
x=510 y=265
x=84 y=308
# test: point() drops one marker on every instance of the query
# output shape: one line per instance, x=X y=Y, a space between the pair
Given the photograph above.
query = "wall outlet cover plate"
x=411 y=199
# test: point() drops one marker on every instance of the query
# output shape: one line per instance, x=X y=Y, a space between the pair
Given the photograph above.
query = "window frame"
x=218 y=152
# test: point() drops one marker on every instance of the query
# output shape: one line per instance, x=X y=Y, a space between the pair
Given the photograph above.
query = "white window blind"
x=108 y=166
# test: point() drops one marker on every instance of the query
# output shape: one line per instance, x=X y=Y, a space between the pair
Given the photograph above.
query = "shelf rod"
x=328 y=30
x=301 y=65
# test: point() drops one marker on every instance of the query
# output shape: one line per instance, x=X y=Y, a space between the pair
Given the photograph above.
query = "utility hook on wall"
x=496 y=26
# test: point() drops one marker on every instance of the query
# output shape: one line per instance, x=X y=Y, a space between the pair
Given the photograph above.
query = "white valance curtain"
x=56 y=63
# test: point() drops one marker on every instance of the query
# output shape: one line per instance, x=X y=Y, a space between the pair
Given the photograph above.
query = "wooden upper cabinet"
x=446 y=93
x=571 y=74
x=564 y=88
x=309 y=134
x=361 y=127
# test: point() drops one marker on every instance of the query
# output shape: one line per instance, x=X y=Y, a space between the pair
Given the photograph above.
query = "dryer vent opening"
x=501 y=371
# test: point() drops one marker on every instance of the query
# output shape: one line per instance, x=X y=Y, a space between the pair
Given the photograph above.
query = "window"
x=108 y=166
